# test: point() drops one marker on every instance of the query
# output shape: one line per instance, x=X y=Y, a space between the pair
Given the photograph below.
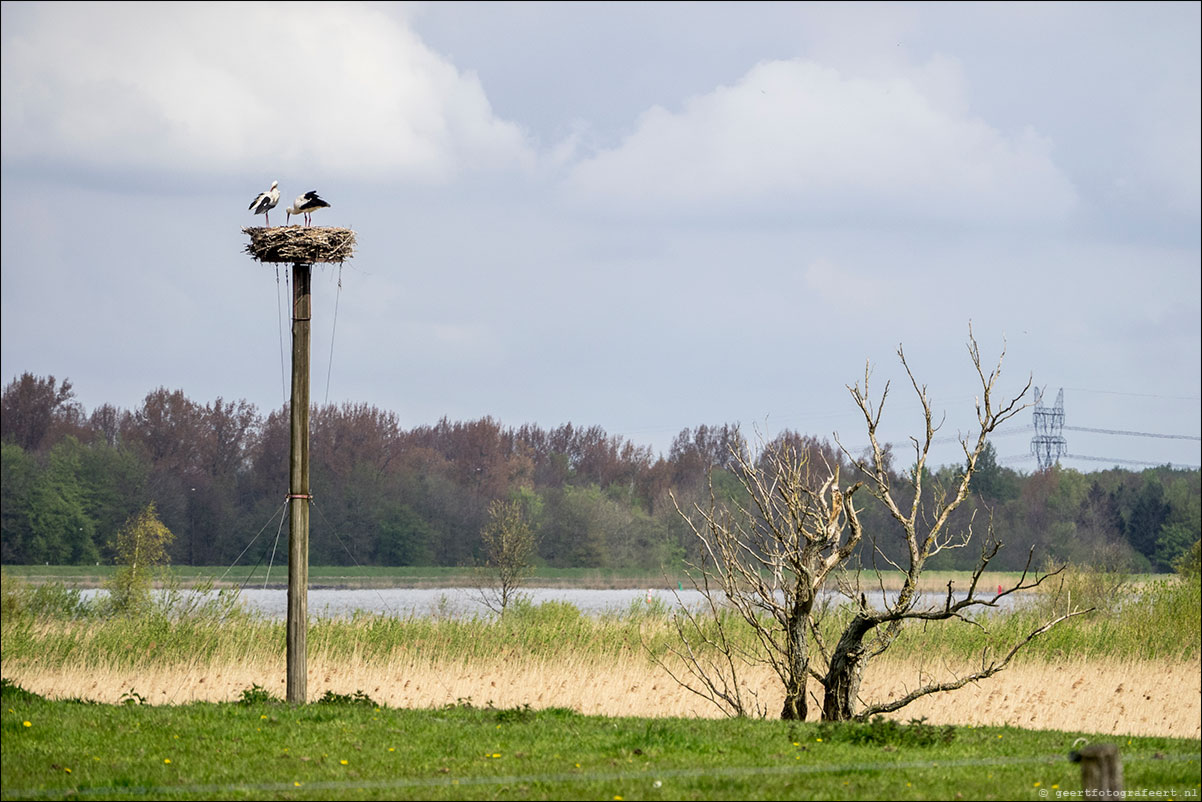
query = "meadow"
x=353 y=748
x=547 y=687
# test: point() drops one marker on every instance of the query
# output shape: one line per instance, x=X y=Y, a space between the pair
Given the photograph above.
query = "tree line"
x=217 y=474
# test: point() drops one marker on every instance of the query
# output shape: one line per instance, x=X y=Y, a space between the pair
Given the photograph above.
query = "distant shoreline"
x=343 y=578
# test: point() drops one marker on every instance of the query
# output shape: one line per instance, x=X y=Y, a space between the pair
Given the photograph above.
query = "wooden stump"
x=1101 y=770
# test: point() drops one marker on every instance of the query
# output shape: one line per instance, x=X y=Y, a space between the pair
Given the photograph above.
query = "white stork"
x=306 y=204
x=266 y=201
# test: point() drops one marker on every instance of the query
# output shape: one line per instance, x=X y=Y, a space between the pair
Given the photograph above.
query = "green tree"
x=992 y=481
x=404 y=538
x=19 y=472
x=62 y=532
x=141 y=546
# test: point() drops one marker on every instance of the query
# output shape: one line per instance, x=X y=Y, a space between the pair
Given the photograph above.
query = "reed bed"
x=1132 y=667
x=1111 y=697
x=1162 y=623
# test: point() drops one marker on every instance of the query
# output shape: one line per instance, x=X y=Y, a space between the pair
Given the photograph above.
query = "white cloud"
x=219 y=88
x=800 y=134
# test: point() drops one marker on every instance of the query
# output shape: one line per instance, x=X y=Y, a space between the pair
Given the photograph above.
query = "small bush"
x=357 y=698
x=132 y=697
x=256 y=694
x=881 y=731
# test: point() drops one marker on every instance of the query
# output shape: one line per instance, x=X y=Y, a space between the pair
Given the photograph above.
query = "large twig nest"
x=300 y=244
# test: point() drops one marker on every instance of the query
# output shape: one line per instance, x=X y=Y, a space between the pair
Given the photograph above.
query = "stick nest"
x=300 y=244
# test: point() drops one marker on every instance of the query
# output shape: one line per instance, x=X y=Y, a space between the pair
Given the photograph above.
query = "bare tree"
x=509 y=548
x=768 y=560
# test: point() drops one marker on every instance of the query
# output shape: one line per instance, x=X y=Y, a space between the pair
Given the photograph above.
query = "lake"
x=465 y=602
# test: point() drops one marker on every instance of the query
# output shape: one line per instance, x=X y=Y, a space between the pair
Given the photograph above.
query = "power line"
x=1126 y=461
x=1133 y=434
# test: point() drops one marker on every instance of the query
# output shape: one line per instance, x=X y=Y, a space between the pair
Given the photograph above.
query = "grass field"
x=507 y=707
x=354 y=749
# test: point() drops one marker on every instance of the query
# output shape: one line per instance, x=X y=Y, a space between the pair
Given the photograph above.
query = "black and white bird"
x=306 y=204
x=266 y=201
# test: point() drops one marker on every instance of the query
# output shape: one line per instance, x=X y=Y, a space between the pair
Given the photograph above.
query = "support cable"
x=342 y=543
x=333 y=329
x=279 y=330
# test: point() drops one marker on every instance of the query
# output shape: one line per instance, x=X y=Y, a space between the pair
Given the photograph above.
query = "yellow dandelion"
x=296 y=783
x=819 y=740
x=263 y=717
x=392 y=749
x=496 y=754
x=27 y=723
x=1038 y=783
x=344 y=762
x=66 y=769
x=166 y=760
x=1055 y=785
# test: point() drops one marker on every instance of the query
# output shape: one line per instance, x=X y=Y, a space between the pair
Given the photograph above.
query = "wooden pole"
x=1101 y=770
x=298 y=490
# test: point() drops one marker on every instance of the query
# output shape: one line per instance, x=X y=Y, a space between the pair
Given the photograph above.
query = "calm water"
x=465 y=602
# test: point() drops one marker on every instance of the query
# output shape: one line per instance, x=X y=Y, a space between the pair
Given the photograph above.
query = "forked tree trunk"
x=846 y=671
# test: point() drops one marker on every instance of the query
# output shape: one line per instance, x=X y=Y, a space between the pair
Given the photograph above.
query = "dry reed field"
x=1110 y=697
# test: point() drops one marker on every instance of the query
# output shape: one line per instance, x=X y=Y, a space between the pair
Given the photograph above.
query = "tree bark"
x=846 y=670
x=797 y=658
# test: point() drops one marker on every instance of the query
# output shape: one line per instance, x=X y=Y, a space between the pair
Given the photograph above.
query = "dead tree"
x=926 y=531
x=768 y=560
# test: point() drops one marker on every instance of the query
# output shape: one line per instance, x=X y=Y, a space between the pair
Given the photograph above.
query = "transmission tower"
x=1048 y=445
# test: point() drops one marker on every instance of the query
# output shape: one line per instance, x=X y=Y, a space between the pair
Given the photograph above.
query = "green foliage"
x=357 y=698
x=1189 y=563
x=881 y=731
x=991 y=480
x=141 y=546
x=256 y=694
x=69 y=481
x=404 y=538
x=132 y=697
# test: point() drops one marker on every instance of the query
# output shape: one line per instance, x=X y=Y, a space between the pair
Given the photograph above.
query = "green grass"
x=351 y=749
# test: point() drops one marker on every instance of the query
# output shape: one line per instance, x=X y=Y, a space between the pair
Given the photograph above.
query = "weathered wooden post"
x=1101 y=770
x=302 y=247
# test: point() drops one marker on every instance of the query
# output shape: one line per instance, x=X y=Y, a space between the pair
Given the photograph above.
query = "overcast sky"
x=643 y=216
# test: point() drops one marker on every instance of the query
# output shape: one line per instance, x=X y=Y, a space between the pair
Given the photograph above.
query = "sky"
x=640 y=216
